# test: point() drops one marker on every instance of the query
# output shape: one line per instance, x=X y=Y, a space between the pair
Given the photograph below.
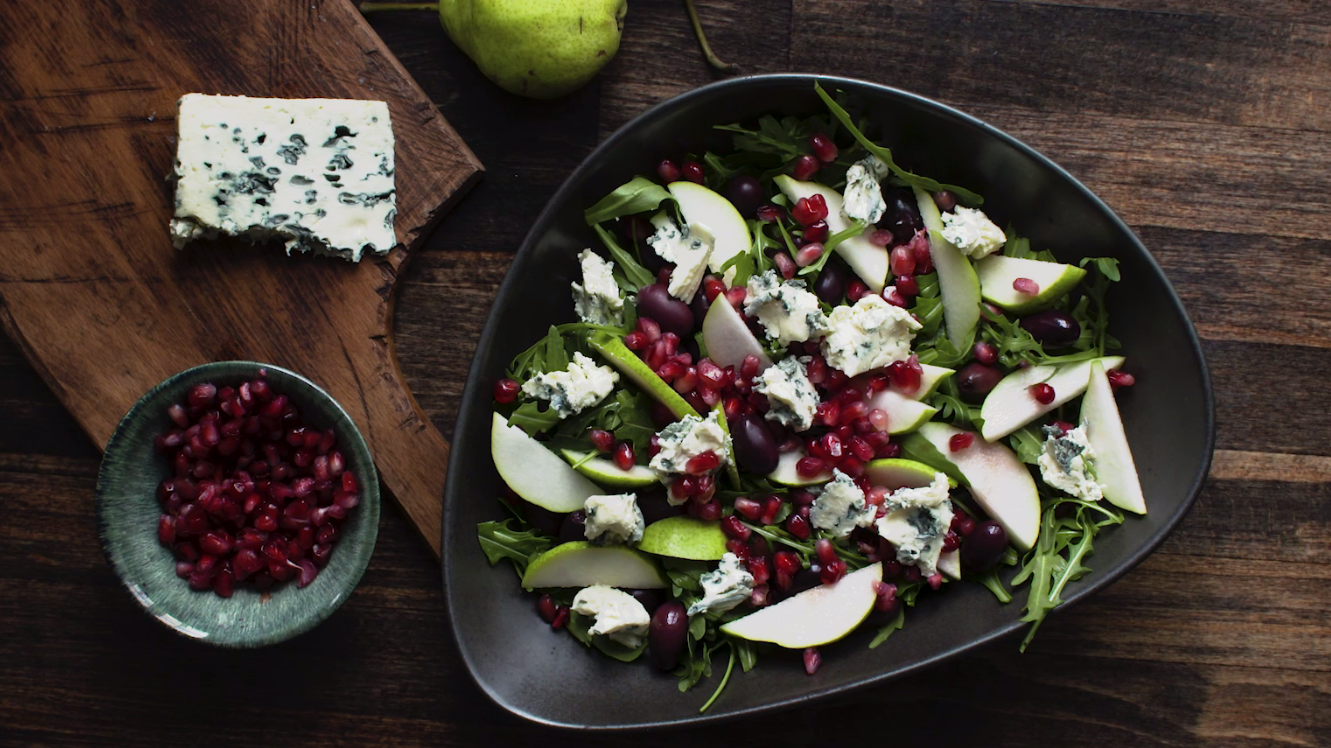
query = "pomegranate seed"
x=951 y=542
x=892 y=296
x=201 y=395
x=710 y=512
x=1062 y=426
x=759 y=597
x=881 y=238
x=809 y=210
x=686 y=382
x=902 y=261
x=963 y=524
x=833 y=571
x=733 y=528
x=798 y=526
x=1120 y=378
x=748 y=508
x=547 y=608
x=692 y=171
x=770 y=213
x=1043 y=392
x=624 y=457
x=827 y=413
x=1026 y=286
x=831 y=446
x=885 y=597
x=960 y=441
x=816 y=232
x=861 y=449
x=812 y=660
x=985 y=353
x=223 y=584
x=667 y=171
x=906 y=375
x=809 y=254
x=166 y=530
x=805 y=167
x=712 y=287
x=784 y=265
x=786 y=561
x=879 y=419
x=760 y=568
x=825 y=551
x=603 y=440
x=561 y=618
x=855 y=290
x=739 y=548
x=771 y=508
x=907 y=286
x=810 y=467
x=702 y=463
x=636 y=340
x=506 y=390
x=823 y=147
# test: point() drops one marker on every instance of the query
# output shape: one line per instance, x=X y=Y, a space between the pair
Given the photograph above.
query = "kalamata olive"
x=544 y=520
x=755 y=449
x=667 y=635
x=831 y=283
x=635 y=229
x=652 y=502
x=1053 y=328
x=650 y=599
x=671 y=314
x=902 y=217
x=984 y=546
x=572 y=527
x=975 y=380
x=699 y=306
x=806 y=579
x=746 y=193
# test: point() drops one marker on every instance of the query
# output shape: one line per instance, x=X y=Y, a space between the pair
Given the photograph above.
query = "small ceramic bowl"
x=127 y=514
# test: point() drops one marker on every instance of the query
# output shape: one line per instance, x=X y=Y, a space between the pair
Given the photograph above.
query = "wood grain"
x=1219 y=639
x=92 y=289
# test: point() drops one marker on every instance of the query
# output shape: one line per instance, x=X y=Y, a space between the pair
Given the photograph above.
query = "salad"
x=806 y=390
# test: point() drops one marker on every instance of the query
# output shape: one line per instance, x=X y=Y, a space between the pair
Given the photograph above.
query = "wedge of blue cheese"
x=613 y=519
x=840 y=507
x=723 y=588
x=791 y=395
x=570 y=391
x=316 y=173
x=917 y=522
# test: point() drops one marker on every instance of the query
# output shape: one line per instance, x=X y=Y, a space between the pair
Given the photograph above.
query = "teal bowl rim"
x=350 y=567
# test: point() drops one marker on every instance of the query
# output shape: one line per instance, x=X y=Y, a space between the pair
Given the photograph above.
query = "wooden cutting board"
x=91 y=287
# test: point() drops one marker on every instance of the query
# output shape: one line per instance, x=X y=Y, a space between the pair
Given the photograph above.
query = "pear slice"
x=684 y=537
x=786 y=474
x=950 y=564
x=581 y=564
x=957 y=282
x=618 y=355
x=930 y=377
x=1010 y=405
x=728 y=338
x=607 y=473
x=904 y=415
x=896 y=472
x=704 y=208
x=997 y=272
x=814 y=617
x=996 y=478
x=534 y=472
x=1115 y=469
x=868 y=260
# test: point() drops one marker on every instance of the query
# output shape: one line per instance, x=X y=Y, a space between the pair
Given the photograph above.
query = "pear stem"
x=712 y=59
x=375 y=7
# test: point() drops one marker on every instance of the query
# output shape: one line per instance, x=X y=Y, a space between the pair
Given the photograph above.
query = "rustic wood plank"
x=1303 y=11
x=1264 y=394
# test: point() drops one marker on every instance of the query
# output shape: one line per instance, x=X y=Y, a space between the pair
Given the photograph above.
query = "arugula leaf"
x=855 y=229
x=635 y=275
x=1028 y=443
x=499 y=540
x=771 y=137
x=1020 y=248
x=580 y=627
x=638 y=195
x=1107 y=266
x=890 y=628
x=885 y=155
x=991 y=582
x=747 y=652
x=530 y=418
x=743 y=265
x=635 y=421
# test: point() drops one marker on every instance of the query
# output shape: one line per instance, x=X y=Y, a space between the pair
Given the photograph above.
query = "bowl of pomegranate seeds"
x=238 y=503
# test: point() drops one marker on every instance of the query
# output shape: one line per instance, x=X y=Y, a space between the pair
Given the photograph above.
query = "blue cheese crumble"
x=582 y=385
x=863 y=199
x=971 y=231
x=790 y=394
x=688 y=247
x=724 y=588
x=916 y=522
x=613 y=519
x=685 y=439
x=840 y=507
x=317 y=173
x=869 y=335
x=788 y=312
x=1067 y=463
x=618 y=615
x=597 y=300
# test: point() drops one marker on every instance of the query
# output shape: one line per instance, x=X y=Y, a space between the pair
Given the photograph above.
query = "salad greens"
x=1067 y=524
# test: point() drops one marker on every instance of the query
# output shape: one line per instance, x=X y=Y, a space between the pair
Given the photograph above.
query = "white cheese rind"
x=317 y=173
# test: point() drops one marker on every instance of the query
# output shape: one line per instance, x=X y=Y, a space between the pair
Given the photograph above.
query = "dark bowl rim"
x=370 y=498
x=471 y=392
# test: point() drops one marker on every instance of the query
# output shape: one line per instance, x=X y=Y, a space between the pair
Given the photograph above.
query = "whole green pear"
x=542 y=49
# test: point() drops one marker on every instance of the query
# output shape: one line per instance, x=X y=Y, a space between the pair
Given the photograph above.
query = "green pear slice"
x=1115 y=469
x=718 y=217
x=904 y=415
x=581 y=564
x=728 y=338
x=786 y=474
x=618 y=355
x=950 y=564
x=897 y=472
x=996 y=478
x=1010 y=405
x=957 y=282
x=997 y=272
x=814 y=617
x=534 y=472
x=868 y=260
x=607 y=473
x=930 y=377
x=684 y=537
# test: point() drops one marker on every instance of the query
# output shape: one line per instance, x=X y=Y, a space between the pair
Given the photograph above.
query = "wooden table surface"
x=1205 y=124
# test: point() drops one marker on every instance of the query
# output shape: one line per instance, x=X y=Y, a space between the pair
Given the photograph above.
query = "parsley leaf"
x=638 y=195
